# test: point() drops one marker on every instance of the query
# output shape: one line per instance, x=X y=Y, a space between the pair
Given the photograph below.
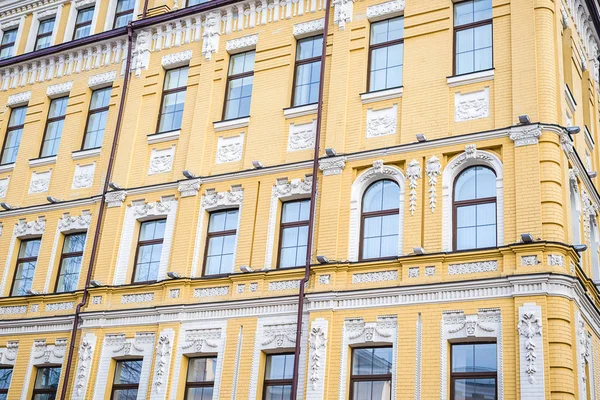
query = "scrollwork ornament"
x=433 y=170
x=530 y=327
x=413 y=173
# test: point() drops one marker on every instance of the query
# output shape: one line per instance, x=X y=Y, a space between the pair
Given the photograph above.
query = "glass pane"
x=381 y=195
x=46 y=26
x=241 y=63
x=472 y=11
x=128 y=372
x=11 y=146
x=278 y=392
x=200 y=393
x=58 y=107
x=74 y=243
x=372 y=361
x=486 y=236
x=195 y=2
x=17 y=116
x=465 y=238
x=309 y=48
x=464 y=188
x=202 y=369
x=47 y=378
x=124 y=5
x=5 y=377
x=470 y=389
x=85 y=15
x=388 y=30
x=82 y=31
x=466 y=216
x=486 y=214
x=29 y=248
x=69 y=274
x=279 y=366
x=9 y=36
x=123 y=20
x=100 y=98
x=486 y=183
x=176 y=78
x=151 y=230
x=474 y=357
x=95 y=130
x=125 y=394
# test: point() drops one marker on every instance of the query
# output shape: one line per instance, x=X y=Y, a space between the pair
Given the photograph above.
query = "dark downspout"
x=145 y=11
x=313 y=206
x=101 y=212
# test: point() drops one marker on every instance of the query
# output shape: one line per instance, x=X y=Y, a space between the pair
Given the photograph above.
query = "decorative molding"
x=153 y=209
x=556 y=260
x=585 y=28
x=382 y=122
x=317 y=342
x=60 y=89
x=342 y=14
x=175 y=60
x=379 y=276
x=430 y=271
x=83 y=176
x=433 y=169
x=241 y=44
x=230 y=124
x=300 y=111
x=284 y=285
x=34 y=308
x=210 y=36
x=12 y=310
x=96 y=300
x=302 y=136
x=413 y=272
x=84 y=366
x=18 y=99
x=163 y=137
x=63 y=306
x=40 y=182
x=241 y=288
x=31 y=228
x=115 y=199
x=81 y=154
x=585 y=358
x=531 y=351
x=472 y=267
x=413 y=172
x=174 y=293
x=68 y=223
x=102 y=80
x=523 y=136
x=213 y=200
x=467 y=79
x=38 y=162
x=212 y=292
x=529 y=261
x=332 y=165
x=387 y=9
x=161 y=160
x=43 y=353
x=8 y=354
x=309 y=28
x=164 y=349
x=141 y=52
x=4 y=187
x=470 y=106
x=189 y=188
x=325 y=279
x=230 y=149
x=137 y=298
x=380 y=95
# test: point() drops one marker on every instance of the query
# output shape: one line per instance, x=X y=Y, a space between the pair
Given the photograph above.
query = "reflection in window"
x=474 y=371
x=70 y=263
x=44 y=34
x=475 y=209
x=14 y=132
x=83 y=24
x=96 y=122
x=278 y=377
x=5 y=377
x=173 y=99
x=196 y=2
x=26 y=263
x=46 y=383
x=149 y=249
x=7 y=45
x=472 y=36
x=380 y=217
x=294 y=233
x=124 y=13
x=386 y=54
x=308 y=70
x=371 y=377
x=221 y=238
x=239 y=85
x=127 y=380
x=54 y=126
x=200 y=378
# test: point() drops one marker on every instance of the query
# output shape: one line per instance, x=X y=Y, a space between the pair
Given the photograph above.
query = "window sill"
x=371 y=97
x=38 y=162
x=231 y=124
x=79 y=154
x=474 y=77
x=163 y=136
x=299 y=111
x=7 y=167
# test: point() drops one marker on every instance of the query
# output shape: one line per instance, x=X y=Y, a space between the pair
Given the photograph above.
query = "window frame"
x=298 y=63
x=10 y=44
x=50 y=120
x=5 y=391
x=210 y=235
x=274 y=382
x=9 y=129
x=121 y=13
x=166 y=92
x=472 y=25
x=283 y=225
x=45 y=391
x=472 y=375
x=23 y=260
x=236 y=77
x=39 y=36
x=378 y=46
x=72 y=254
x=92 y=111
x=367 y=378
x=190 y=385
x=86 y=23
x=123 y=386
x=142 y=243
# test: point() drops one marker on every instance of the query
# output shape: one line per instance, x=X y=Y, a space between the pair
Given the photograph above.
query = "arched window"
x=380 y=209
x=474 y=209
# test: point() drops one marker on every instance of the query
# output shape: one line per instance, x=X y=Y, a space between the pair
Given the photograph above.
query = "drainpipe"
x=313 y=206
x=145 y=10
x=113 y=150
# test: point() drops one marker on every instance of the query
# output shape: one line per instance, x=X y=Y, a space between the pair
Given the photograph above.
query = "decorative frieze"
x=4 y=187
x=241 y=44
x=164 y=349
x=174 y=293
x=325 y=279
x=230 y=149
x=11 y=310
x=413 y=172
x=523 y=136
x=279 y=335
x=531 y=351
x=18 y=99
x=101 y=80
x=253 y=286
x=332 y=165
x=284 y=285
x=387 y=9
x=40 y=182
x=211 y=292
x=211 y=34
x=62 y=306
x=212 y=199
x=317 y=343
x=137 y=298
x=472 y=268
x=189 y=188
x=382 y=122
x=8 y=354
x=556 y=260
x=157 y=208
x=83 y=176
x=470 y=106
x=241 y=288
x=379 y=276
x=96 y=300
x=84 y=366
x=430 y=271
x=161 y=160
x=115 y=198
x=60 y=89
x=79 y=222
x=313 y=27
x=413 y=272
x=24 y=228
x=342 y=12
x=302 y=136
x=433 y=170
x=174 y=60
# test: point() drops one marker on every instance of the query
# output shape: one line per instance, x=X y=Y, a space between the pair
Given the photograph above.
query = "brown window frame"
x=51 y=120
x=9 y=129
x=283 y=225
x=191 y=385
x=23 y=260
x=123 y=386
x=378 y=46
x=92 y=111
x=298 y=63
x=121 y=13
x=5 y=391
x=274 y=382
x=472 y=202
x=142 y=243
x=86 y=23
x=471 y=375
x=39 y=35
x=471 y=25
x=210 y=235
x=366 y=378
x=167 y=92
x=9 y=44
x=44 y=391
x=64 y=255
x=236 y=77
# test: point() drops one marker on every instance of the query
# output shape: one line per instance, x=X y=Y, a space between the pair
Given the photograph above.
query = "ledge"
x=7 y=167
x=37 y=162
x=474 y=77
x=371 y=97
x=163 y=136
x=79 y=154
x=299 y=111
x=231 y=124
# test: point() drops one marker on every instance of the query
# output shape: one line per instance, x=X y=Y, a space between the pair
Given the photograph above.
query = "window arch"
x=474 y=209
x=379 y=220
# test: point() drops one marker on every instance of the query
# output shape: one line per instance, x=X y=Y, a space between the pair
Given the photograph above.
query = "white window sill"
x=231 y=124
x=38 y=162
x=371 y=97
x=467 y=79
x=163 y=136
x=7 y=167
x=299 y=111
x=78 y=155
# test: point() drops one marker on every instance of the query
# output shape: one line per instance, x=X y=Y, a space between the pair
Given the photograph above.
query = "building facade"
x=156 y=175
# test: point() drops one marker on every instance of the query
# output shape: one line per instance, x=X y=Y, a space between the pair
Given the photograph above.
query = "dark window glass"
x=474 y=371
x=371 y=377
x=124 y=13
x=472 y=36
x=46 y=383
x=44 y=35
x=380 y=217
x=308 y=70
x=173 y=100
x=221 y=238
x=200 y=378
x=54 y=126
x=294 y=233
x=278 y=377
x=83 y=24
x=14 y=132
x=149 y=249
x=475 y=209
x=70 y=262
x=7 y=45
x=127 y=380
x=26 y=263
x=239 y=85
x=97 y=115
x=5 y=377
x=386 y=54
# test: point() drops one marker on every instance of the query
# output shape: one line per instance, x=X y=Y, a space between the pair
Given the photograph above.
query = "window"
x=308 y=70
x=196 y=2
x=54 y=126
x=371 y=377
x=14 y=132
x=472 y=36
x=222 y=234
x=380 y=217
x=386 y=54
x=239 y=85
x=474 y=371
x=278 y=377
x=83 y=24
x=70 y=263
x=127 y=380
x=149 y=248
x=46 y=383
x=44 y=34
x=200 y=378
x=173 y=99
x=7 y=45
x=96 y=122
x=26 y=263
x=475 y=209
x=294 y=233
x=124 y=13
x=5 y=377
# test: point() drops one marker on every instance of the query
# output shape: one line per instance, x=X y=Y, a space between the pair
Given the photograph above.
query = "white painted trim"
x=110 y=15
x=531 y=352
x=81 y=154
x=585 y=355
x=300 y=111
x=8 y=354
x=231 y=124
x=84 y=366
x=163 y=137
x=7 y=167
x=380 y=95
x=73 y=12
x=43 y=354
x=467 y=79
x=9 y=25
x=588 y=138
x=317 y=341
x=570 y=100
x=38 y=162
x=35 y=24
x=162 y=366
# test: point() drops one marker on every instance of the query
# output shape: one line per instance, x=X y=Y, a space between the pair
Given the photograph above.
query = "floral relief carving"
x=472 y=268
x=530 y=328
x=83 y=369
x=153 y=208
x=141 y=52
x=230 y=149
x=40 y=181
x=413 y=172
x=380 y=276
x=523 y=136
x=242 y=43
x=116 y=198
x=11 y=310
x=84 y=176
x=284 y=285
x=174 y=293
x=137 y=298
x=343 y=10
x=18 y=99
x=214 y=199
x=49 y=353
x=529 y=261
x=302 y=136
x=317 y=342
x=309 y=27
x=210 y=36
x=176 y=59
x=161 y=160
x=433 y=170
x=413 y=272
x=382 y=122
x=430 y=271
x=67 y=222
x=556 y=260
x=332 y=165
x=163 y=351
x=387 y=8
x=106 y=78
x=36 y=227
x=211 y=292
x=199 y=339
x=471 y=106
x=59 y=89
x=325 y=279
x=279 y=334
x=293 y=187
x=189 y=187
x=96 y=300
x=8 y=354
x=63 y=306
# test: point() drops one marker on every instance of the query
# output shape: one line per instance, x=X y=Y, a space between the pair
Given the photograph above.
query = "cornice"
x=49 y=207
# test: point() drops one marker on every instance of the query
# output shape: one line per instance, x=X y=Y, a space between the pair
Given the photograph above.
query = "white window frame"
x=112 y=10
x=37 y=17
x=9 y=25
x=42 y=355
x=74 y=11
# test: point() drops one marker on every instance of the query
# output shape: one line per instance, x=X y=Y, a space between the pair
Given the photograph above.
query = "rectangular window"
x=386 y=54
x=173 y=100
x=26 y=263
x=239 y=85
x=371 y=377
x=54 y=126
x=221 y=238
x=472 y=36
x=5 y=378
x=149 y=248
x=200 y=378
x=123 y=13
x=278 y=377
x=474 y=371
x=14 y=132
x=308 y=70
x=83 y=24
x=44 y=34
x=70 y=263
x=127 y=379
x=7 y=45
x=294 y=233
x=46 y=383
x=96 y=122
